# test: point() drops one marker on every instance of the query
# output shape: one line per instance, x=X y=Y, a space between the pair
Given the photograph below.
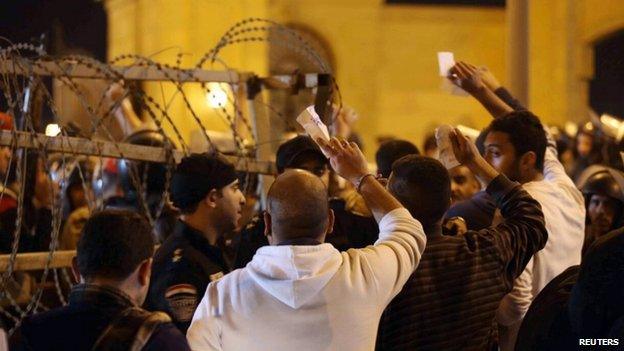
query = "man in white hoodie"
x=300 y=293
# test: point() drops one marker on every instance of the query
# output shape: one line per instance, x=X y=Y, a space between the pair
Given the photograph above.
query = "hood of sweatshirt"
x=294 y=274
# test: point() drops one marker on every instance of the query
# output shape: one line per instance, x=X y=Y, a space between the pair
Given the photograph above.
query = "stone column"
x=517 y=53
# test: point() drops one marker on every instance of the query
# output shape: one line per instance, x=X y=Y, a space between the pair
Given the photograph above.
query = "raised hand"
x=467 y=154
x=487 y=77
x=467 y=77
x=465 y=151
x=346 y=158
x=115 y=92
x=480 y=83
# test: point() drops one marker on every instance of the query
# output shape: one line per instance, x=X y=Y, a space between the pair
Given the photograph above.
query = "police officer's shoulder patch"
x=216 y=276
x=177 y=255
x=182 y=299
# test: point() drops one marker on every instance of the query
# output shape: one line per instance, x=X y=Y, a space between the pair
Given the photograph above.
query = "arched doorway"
x=288 y=55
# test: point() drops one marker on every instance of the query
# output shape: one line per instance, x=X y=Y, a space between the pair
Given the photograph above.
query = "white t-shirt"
x=564 y=213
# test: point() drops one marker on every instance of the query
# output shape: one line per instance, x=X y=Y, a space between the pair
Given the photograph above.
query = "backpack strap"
x=130 y=331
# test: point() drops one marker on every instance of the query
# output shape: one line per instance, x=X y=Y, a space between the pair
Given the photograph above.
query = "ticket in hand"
x=446 y=61
x=314 y=127
x=443 y=140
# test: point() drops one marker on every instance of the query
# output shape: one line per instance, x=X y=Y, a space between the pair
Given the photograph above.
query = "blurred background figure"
x=430 y=148
x=587 y=149
x=603 y=189
x=464 y=184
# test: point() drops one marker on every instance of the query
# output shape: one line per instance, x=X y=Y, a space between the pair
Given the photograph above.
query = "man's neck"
x=305 y=241
x=533 y=177
x=202 y=224
x=116 y=285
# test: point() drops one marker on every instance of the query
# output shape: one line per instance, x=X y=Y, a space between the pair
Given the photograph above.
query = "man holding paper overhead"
x=450 y=302
x=517 y=144
x=349 y=231
x=301 y=294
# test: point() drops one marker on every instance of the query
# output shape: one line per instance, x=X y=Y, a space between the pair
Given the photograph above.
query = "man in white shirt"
x=517 y=145
x=301 y=294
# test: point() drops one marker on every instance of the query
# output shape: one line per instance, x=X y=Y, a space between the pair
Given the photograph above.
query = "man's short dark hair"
x=296 y=151
x=423 y=186
x=390 y=151
x=196 y=176
x=525 y=132
x=113 y=243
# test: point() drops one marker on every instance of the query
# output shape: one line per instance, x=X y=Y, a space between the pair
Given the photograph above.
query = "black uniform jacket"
x=183 y=267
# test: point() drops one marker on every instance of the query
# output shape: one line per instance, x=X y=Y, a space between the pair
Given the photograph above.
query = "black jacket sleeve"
x=506 y=96
x=167 y=338
x=521 y=234
x=251 y=239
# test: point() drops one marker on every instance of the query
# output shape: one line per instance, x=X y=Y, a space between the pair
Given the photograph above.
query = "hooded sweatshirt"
x=309 y=297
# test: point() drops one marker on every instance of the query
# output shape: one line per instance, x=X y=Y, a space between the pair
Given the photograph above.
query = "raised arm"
x=347 y=160
x=468 y=78
x=385 y=267
x=523 y=232
x=495 y=86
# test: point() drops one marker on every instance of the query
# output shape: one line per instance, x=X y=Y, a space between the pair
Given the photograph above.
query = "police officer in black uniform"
x=206 y=191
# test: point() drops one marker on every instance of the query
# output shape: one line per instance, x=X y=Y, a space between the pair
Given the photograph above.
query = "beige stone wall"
x=385 y=55
x=562 y=34
x=386 y=60
x=161 y=29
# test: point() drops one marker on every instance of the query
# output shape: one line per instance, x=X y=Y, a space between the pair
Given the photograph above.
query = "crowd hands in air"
x=515 y=247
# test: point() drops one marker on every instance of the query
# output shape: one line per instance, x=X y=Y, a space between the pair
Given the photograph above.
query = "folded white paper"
x=445 y=149
x=314 y=127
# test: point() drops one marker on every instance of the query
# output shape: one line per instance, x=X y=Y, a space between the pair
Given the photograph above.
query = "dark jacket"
x=183 y=267
x=546 y=326
x=581 y=303
x=450 y=301
x=78 y=325
x=478 y=211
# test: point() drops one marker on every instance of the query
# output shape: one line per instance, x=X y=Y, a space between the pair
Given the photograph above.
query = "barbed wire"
x=25 y=69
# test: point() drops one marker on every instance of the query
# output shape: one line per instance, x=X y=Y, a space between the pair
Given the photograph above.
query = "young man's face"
x=501 y=154
x=230 y=205
x=602 y=211
x=463 y=183
x=316 y=167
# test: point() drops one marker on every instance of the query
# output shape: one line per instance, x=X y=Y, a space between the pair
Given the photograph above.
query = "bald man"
x=300 y=293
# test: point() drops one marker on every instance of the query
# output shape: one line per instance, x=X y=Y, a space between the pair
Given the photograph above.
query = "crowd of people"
x=518 y=247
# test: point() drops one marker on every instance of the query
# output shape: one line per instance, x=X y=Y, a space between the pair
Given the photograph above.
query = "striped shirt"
x=451 y=300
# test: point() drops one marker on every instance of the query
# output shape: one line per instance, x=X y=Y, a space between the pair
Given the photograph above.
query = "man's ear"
x=528 y=160
x=267 y=225
x=145 y=271
x=330 y=221
x=74 y=269
x=211 y=198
